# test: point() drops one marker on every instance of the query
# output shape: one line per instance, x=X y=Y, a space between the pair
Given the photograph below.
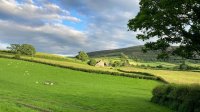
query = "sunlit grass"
x=180 y=77
x=23 y=88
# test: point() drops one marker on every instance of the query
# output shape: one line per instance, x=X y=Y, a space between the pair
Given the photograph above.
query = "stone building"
x=100 y=64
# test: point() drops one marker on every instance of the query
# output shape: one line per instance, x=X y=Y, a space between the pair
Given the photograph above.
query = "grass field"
x=178 y=77
x=32 y=87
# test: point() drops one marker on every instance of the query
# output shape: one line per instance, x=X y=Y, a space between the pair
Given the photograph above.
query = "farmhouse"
x=100 y=64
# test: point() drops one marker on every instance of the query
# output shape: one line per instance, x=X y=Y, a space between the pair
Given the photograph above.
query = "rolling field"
x=178 y=77
x=32 y=87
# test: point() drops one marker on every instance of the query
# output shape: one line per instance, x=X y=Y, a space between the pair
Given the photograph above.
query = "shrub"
x=116 y=64
x=143 y=65
x=159 y=66
x=92 y=62
x=17 y=56
x=182 y=98
x=82 y=56
x=183 y=66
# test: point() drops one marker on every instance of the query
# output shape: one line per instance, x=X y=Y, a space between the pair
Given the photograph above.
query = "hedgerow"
x=143 y=74
x=181 y=98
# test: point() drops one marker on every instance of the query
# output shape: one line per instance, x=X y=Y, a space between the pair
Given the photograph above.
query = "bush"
x=183 y=66
x=92 y=62
x=182 y=98
x=159 y=66
x=17 y=56
x=82 y=56
x=142 y=65
x=117 y=64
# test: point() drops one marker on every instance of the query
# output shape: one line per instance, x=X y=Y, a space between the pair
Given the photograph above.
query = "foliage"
x=172 y=22
x=24 y=49
x=159 y=66
x=16 y=48
x=7 y=51
x=140 y=73
x=17 y=56
x=116 y=64
x=184 y=66
x=82 y=56
x=182 y=98
x=27 y=49
x=92 y=62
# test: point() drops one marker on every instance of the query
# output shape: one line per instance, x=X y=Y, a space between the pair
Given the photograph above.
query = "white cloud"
x=51 y=37
x=28 y=10
x=41 y=24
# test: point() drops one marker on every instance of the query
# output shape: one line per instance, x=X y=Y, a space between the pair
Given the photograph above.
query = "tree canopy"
x=171 y=22
x=82 y=56
x=25 y=49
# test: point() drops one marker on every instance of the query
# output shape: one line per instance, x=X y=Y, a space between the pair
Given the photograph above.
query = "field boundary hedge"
x=181 y=98
x=143 y=73
x=88 y=70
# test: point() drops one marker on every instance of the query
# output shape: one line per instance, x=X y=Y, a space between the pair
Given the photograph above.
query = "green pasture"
x=33 y=87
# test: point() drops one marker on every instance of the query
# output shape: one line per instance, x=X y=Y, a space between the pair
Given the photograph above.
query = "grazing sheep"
x=48 y=83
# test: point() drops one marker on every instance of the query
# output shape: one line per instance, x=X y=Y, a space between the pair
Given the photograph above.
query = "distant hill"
x=132 y=52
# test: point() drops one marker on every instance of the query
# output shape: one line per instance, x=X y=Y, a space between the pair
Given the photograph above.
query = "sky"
x=68 y=26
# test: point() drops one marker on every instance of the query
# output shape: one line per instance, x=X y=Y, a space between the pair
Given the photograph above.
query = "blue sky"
x=68 y=26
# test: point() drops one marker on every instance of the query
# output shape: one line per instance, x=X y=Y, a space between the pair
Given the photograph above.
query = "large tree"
x=24 y=49
x=172 y=22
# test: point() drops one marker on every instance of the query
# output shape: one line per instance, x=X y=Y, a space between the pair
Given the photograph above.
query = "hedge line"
x=140 y=73
x=144 y=74
x=89 y=70
x=181 y=98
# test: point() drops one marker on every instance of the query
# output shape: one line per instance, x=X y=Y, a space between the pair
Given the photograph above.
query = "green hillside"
x=133 y=52
x=33 y=87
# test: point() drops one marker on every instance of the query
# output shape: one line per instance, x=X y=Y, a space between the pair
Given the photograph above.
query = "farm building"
x=100 y=64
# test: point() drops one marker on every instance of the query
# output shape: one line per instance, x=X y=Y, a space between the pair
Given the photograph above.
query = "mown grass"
x=178 y=77
x=22 y=89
